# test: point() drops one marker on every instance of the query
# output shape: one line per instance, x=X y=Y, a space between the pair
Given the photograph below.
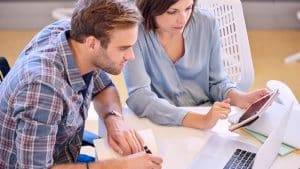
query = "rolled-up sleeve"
x=101 y=81
x=219 y=82
x=37 y=125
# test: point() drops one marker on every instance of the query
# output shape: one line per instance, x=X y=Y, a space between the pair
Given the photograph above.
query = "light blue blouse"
x=157 y=87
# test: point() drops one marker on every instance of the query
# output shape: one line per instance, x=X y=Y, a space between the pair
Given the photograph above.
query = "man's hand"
x=139 y=160
x=122 y=138
x=142 y=161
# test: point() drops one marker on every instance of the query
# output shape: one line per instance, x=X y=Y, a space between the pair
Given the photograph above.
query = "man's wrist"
x=112 y=113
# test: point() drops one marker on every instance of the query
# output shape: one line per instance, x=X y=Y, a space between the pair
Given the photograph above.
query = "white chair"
x=234 y=40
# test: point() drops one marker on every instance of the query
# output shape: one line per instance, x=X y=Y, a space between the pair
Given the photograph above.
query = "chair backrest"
x=236 y=53
x=4 y=67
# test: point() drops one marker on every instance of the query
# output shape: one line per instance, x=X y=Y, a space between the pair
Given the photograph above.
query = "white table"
x=178 y=146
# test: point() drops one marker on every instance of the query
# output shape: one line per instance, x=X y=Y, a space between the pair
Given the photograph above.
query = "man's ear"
x=92 y=43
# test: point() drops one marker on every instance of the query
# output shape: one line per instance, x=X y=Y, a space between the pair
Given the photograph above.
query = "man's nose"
x=129 y=54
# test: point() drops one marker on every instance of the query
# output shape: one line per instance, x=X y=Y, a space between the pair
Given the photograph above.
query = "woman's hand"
x=219 y=110
x=244 y=100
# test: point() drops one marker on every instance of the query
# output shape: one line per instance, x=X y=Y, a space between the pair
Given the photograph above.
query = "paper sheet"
x=105 y=152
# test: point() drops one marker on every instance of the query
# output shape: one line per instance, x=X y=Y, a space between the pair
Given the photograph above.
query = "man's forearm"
x=70 y=166
x=107 y=164
x=107 y=100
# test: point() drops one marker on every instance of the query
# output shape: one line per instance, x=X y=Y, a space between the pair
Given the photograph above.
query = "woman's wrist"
x=237 y=97
x=194 y=120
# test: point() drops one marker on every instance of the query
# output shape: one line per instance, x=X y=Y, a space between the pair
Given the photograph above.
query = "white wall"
x=28 y=14
x=258 y=14
x=274 y=15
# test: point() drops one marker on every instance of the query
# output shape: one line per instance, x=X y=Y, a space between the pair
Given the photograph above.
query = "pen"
x=147 y=150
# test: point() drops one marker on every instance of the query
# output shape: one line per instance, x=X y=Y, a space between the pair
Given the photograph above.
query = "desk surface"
x=178 y=146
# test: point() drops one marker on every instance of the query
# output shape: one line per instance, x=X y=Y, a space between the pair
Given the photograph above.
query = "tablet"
x=255 y=110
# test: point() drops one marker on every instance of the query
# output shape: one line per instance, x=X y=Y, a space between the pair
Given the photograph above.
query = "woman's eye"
x=189 y=8
x=171 y=12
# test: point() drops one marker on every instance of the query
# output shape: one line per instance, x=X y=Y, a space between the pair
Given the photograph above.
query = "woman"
x=178 y=63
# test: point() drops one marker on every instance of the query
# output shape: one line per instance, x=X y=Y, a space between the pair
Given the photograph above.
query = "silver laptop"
x=221 y=151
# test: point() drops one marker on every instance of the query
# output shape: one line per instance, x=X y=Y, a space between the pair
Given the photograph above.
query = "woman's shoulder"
x=142 y=33
x=144 y=36
x=203 y=15
x=141 y=30
x=202 y=19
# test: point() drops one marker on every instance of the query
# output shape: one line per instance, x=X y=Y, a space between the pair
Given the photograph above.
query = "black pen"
x=147 y=150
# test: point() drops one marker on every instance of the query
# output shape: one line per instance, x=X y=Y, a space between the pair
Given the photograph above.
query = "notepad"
x=105 y=152
x=284 y=149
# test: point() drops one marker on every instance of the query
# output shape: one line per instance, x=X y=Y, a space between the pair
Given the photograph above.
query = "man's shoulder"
x=41 y=70
x=51 y=34
x=58 y=26
x=42 y=57
x=48 y=40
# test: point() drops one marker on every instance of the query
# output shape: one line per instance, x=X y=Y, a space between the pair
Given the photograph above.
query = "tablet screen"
x=255 y=107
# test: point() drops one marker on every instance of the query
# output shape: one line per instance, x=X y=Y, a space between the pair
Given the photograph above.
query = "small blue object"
x=83 y=158
x=88 y=138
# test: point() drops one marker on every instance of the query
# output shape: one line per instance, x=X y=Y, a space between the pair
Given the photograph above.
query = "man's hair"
x=152 y=8
x=100 y=17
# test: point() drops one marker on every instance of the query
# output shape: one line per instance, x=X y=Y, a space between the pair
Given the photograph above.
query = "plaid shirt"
x=44 y=102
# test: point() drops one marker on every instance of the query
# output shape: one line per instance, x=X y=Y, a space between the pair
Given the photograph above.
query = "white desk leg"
x=293 y=58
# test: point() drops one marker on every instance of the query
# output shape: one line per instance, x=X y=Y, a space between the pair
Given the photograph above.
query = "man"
x=45 y=98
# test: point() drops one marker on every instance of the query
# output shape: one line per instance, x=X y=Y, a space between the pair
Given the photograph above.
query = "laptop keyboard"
x=241 y=159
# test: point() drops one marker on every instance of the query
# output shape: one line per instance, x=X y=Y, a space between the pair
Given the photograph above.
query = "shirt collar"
x=73 y=74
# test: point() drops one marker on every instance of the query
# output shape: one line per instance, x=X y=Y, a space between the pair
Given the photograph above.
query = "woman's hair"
x=100 y=17
x=152 y=8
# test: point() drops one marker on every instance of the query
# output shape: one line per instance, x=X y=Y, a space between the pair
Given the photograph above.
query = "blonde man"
x=44 y=100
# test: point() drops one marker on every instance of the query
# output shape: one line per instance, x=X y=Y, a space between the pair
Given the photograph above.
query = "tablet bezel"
x=254 y=117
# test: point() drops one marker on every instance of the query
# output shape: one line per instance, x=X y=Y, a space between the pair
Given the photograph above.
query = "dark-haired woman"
x=178 y=63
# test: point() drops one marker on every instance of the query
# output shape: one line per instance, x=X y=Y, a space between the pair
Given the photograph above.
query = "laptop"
x=220 y=150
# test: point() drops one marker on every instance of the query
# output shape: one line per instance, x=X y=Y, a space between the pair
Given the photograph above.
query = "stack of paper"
x=105 y=152
x=284 y=149
x=270 y=119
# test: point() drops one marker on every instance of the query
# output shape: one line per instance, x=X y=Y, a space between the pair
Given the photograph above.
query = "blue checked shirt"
x=44 y=102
